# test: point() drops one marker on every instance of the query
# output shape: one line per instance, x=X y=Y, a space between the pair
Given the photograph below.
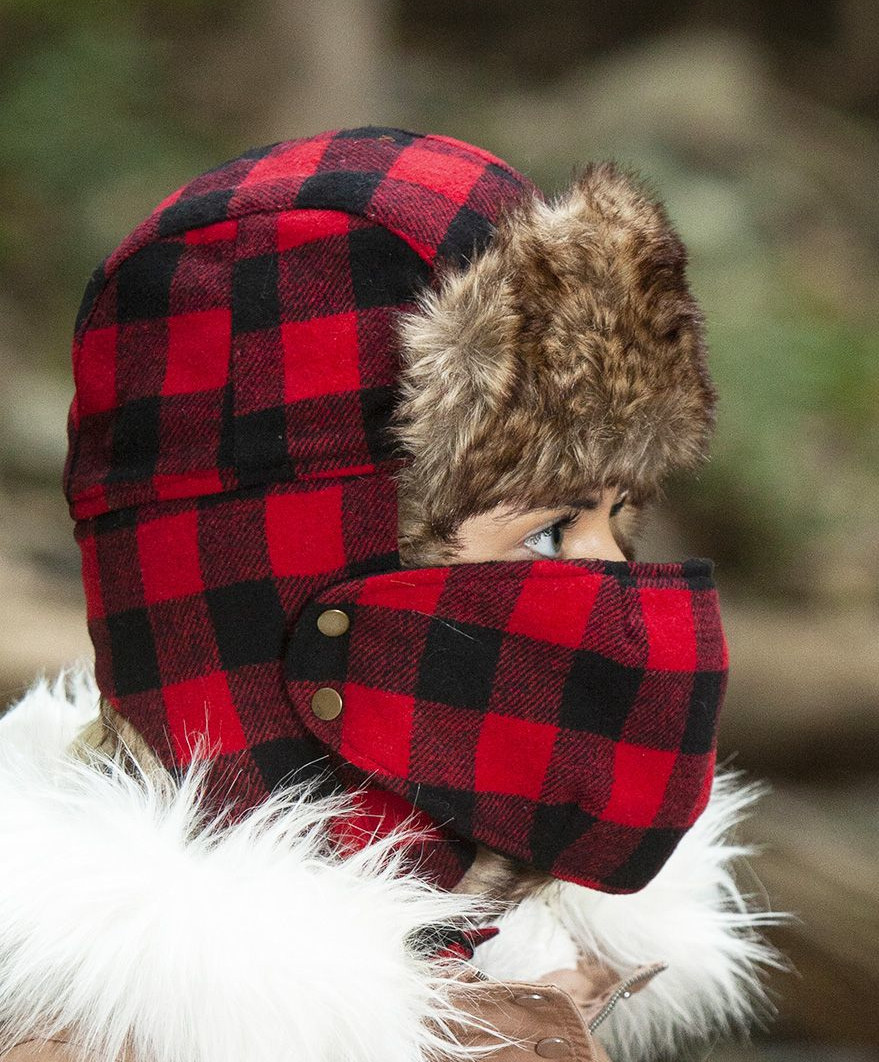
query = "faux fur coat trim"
x=131 y=920
x=568 y=356
x=131 y=924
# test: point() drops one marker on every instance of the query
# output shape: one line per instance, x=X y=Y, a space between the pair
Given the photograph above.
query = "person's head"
x=320 y=374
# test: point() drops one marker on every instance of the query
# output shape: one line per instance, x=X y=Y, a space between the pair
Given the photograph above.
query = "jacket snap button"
x=531 y=999
x=553 y=1047
x=326 y=703
x=333 y=622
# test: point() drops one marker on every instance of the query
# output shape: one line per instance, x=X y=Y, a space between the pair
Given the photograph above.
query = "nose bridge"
x=610 y=546
x=599 y=542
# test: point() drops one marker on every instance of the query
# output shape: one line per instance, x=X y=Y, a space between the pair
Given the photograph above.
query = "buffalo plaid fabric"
x=563 y=713
x=235 y=361
x=230 y=473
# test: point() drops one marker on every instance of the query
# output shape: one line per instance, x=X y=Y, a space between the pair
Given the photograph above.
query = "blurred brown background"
x=757 y=122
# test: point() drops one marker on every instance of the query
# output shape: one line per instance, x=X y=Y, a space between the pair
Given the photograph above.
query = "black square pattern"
x=376 y=404
x=93 y=289
x=452 y=808
x=296 y=761
x=458 y=664
x=136 y=440
x=646 y=860
x=249 y=622
x=315 y=657
x=143 y=282
x=384 y=269
x=261 y=443
x=706 y=696
x=192 y=212
x=555 y=827
x=339 y=190
x=468 y=232
x=135 y=665
x=598 y=695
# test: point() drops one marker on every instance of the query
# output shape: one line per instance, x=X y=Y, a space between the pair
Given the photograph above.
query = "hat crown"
x=257 y=305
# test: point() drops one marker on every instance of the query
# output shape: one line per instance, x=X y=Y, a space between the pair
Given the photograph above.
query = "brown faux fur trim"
x=568 y=356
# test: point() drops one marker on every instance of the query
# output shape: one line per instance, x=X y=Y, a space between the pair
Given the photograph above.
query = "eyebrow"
x=579 y=503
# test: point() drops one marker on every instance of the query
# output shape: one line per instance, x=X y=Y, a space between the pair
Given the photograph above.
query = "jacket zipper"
x=624 y=990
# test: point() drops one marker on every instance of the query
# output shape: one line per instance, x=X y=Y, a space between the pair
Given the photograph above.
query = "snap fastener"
x=530 y=999
x=326 y=703
x=553 y=1047
x=333 y=622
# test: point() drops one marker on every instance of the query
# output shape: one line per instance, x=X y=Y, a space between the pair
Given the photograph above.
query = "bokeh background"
x=756 y=121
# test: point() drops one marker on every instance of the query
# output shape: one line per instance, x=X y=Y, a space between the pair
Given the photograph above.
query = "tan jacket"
x=552 y=1018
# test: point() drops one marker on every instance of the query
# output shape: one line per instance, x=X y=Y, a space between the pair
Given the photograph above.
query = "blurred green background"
x=756 y=122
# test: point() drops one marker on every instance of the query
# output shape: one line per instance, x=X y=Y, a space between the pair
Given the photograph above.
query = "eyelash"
x=569 y=518
x=558 y=525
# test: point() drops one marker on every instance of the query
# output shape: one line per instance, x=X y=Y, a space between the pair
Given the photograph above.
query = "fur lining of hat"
x=567 y=357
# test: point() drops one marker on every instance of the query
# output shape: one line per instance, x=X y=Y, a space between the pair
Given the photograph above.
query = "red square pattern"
x=222 y=230
x=512 y=756
x=640 y=778
x=199 y=349
x=704 y=792
x=202 y=710
x=412 y=591
x=555 y=611
x=469 y=148
x=375 y=813
x=96 y=376
x=320 y=356
x=301 y=159
x=296 y=227
x=668 y=616
x=168 y=553
x=377 y=729
x=304 y=532
x=176 y=485
x=91 y=578
x=428 y=169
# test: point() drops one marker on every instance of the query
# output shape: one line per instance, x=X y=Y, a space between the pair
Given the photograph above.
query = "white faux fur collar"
x=128 y=918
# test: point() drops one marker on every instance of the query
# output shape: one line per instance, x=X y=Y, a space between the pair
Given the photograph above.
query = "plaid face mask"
x=560 y=712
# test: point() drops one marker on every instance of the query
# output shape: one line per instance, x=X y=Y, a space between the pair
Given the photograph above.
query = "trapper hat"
x=284 y=341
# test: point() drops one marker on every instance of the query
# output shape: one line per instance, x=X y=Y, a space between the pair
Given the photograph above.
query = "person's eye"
x=548 y=542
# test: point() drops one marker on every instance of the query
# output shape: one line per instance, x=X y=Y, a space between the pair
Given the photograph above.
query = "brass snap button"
x=333 y=622
x=530 y=999
x=326 y=703
x=553 y=1047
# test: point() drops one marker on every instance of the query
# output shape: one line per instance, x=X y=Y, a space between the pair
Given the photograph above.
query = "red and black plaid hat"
x=235 y=361
x=232 y=477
